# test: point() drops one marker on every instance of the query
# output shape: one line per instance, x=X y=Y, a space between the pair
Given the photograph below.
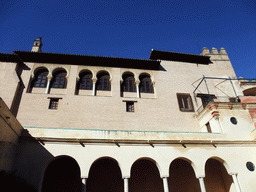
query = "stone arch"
x=104 y=71
x=145 y=176
x=182 y=176
x=62 y=174
x=105 y=175
x=225 y=164
x=217 y=178
x=60 y=68
x=127 y=72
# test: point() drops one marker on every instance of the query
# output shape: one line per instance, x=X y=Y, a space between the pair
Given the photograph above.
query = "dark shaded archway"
x=105 y=175
x=182 y=177
x=216 y=177
x=145 y=177
x=62 y=175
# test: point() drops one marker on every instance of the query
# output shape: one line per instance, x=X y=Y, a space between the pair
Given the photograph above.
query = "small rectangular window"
x=129 y=106
x=185 y=102
x=54 y=102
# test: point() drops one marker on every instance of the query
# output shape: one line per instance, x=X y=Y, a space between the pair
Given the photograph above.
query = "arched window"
x=146 y=85
x=103 y=82
x=128 y=84
x=40 y=78
x=59 y=79
x=85 y=80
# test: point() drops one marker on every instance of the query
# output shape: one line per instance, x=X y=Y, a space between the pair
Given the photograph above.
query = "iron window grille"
x=54 y=102
x=185 y=102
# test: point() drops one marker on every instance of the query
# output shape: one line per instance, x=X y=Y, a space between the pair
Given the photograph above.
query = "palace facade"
x=175 y=122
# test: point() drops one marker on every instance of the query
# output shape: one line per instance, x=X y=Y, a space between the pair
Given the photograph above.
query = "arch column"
x=234 y=177
x=49 y=78
x=126 y=185
x=201 y=182
x=165 y=182
x=137 y=83
x=94 y=80
x=84 y=184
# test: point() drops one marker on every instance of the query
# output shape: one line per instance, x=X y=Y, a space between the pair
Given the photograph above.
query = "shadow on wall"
x=31 y=161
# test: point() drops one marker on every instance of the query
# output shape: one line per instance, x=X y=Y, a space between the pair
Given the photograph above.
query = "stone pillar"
x=165 y=182
x=126 y=186
x=202 y=186
x=49 y=78
x=94 y=80
x=137 y=83
x=236 y=182
x=83 y=184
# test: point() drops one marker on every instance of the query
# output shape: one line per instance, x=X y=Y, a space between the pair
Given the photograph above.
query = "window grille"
x=185 y=102
x=54 y=103
x=130 y=106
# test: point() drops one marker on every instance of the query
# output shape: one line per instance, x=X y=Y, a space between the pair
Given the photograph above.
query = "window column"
x=235 y=181
x=137 y=83
x=201 y=181
x=165 y=182
x=83 y=184
x=49 y=78
x=126 y=186
x=94 y=80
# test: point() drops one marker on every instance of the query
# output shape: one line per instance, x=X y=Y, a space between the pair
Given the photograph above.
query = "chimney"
x=37 y=45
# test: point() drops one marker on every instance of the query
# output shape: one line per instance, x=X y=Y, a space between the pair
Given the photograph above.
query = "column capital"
x=200 y=176
x=49 y=77
x=94 y=80
x=137 y=82
x=233 y=173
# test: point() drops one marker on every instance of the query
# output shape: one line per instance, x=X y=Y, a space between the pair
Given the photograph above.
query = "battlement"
x=214 y=51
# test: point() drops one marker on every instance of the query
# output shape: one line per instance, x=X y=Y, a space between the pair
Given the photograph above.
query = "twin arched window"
x=103 y=83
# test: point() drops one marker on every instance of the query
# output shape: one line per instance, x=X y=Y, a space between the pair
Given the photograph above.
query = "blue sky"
x=131 y=28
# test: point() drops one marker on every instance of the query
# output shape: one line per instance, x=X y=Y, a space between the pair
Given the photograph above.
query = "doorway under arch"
x=182 y=177
x=145 y=177
x=217 y=178
x=105 y=175
x=62 y=175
